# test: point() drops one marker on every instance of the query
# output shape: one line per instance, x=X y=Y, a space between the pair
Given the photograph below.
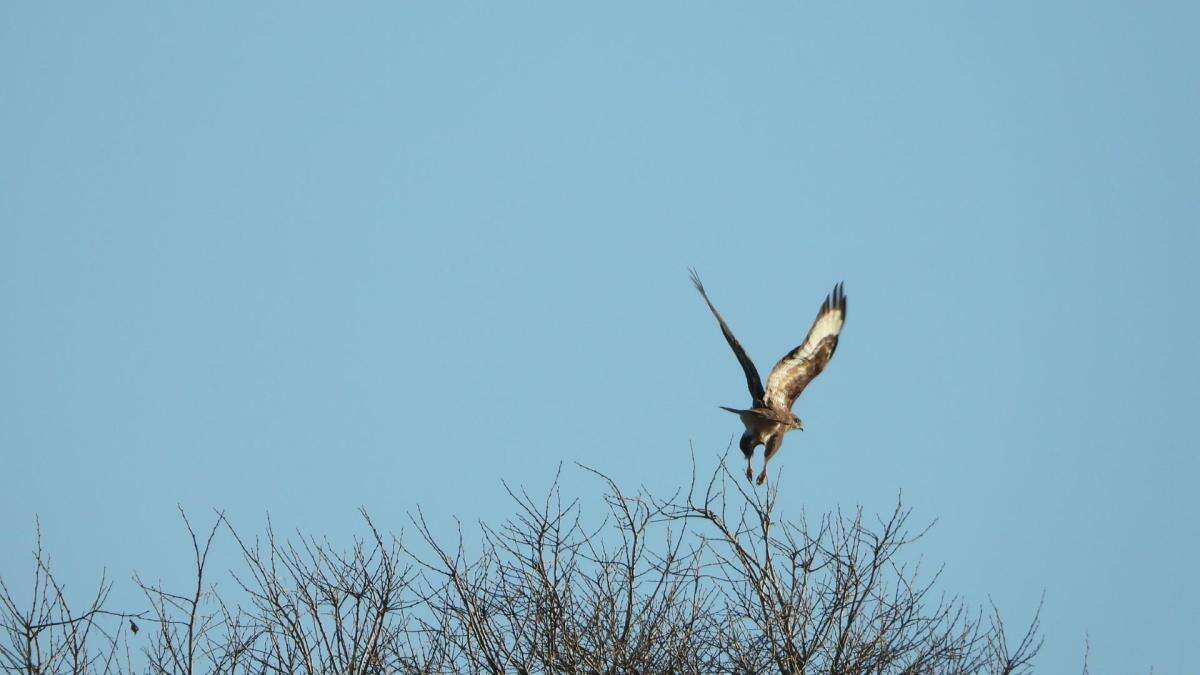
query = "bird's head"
x=797 y=424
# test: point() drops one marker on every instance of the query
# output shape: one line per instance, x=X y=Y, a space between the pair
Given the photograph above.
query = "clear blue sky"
x=273 y=258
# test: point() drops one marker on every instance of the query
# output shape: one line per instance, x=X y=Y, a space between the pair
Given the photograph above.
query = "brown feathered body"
x=770 y=417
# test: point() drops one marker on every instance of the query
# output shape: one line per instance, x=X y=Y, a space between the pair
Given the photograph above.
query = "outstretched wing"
x=752 y=378
x=792 y=374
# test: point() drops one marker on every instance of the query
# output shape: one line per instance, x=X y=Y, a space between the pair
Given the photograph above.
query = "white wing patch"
x=829 y=323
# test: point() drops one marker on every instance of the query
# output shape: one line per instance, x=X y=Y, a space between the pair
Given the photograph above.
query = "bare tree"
x=48 y=635
x=180 y=622
x=709 y=579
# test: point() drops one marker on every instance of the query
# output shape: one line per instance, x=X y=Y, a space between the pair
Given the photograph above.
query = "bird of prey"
x=770 y=416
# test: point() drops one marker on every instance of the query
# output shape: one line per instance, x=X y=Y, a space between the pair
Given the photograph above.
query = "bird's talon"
x=762 y=477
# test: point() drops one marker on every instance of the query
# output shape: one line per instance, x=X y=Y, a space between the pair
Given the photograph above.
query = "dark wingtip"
x=695 y=279
x=836 y=300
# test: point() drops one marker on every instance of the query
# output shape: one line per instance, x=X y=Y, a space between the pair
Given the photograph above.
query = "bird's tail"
x=735 y=411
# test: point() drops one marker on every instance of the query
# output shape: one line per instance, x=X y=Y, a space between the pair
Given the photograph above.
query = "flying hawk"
x=771 y=416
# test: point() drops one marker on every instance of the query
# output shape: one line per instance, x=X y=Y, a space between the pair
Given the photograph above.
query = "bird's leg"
x=772 y=447
x=749 y=471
